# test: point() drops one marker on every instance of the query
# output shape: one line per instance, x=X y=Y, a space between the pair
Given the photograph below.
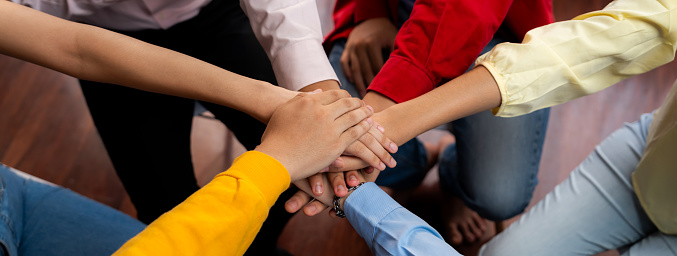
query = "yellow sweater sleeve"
x=566 y=60
x=222 y=218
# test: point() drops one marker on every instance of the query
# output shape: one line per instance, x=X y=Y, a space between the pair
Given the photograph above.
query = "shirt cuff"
x=301 y=64
x=264 y=171
x=366 y=207
x=499 y=81
x=401 y=80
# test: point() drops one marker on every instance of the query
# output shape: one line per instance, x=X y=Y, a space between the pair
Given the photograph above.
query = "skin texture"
x=372 y=149
x=468 y=94
x=83 y=51
x=320 y=125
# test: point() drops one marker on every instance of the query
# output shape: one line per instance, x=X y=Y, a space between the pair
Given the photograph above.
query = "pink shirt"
x=289 y=31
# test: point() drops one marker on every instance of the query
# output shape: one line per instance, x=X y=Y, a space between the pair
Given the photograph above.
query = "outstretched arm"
x=223 y=217
x=96 y=54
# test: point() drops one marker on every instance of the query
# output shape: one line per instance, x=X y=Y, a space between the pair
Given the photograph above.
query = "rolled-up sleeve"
x=291 y=34
x=566 y=60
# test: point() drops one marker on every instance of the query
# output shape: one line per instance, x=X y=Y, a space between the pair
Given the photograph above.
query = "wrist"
x=339 y=202
x=325 y=85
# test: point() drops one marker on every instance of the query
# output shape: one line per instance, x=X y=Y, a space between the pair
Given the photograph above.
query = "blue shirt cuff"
x=366 y=207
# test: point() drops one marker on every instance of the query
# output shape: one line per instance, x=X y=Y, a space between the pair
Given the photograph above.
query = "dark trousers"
x=147 y=135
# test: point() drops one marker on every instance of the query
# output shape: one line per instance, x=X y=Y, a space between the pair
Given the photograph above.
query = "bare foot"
x=462 y=223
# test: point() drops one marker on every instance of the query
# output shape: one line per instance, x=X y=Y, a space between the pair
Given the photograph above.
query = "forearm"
x=96 y=54
x=468 y=94
x=222 y=218
x=390 y=229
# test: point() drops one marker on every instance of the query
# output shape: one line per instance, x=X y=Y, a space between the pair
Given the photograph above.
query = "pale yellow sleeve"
x=222 y=218
x=566 y=60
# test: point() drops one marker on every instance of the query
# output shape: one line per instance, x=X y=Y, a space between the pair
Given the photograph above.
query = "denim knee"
x=494 y=197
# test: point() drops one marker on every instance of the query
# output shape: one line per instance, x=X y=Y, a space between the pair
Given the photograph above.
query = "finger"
x=351 y=178
x=375 y=146
x=345 y=63
x=376 y=56
x=338 y=163
x=338 y=183
x=316 y=185
x=351 y=163
x=378 y=132
x=345 y=106
x=297 y=201
x=356 y=71
x=353 y=118
x=358 y=149
x=313 y=208
x=365 y=65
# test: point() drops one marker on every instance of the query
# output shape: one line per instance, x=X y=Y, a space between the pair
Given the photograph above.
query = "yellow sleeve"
x=222 y=218
x=566 y=60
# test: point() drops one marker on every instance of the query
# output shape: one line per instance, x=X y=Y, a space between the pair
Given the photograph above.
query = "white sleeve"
x=291 y=34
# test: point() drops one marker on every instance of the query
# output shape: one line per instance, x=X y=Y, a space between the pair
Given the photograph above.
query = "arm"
x=555 y=64
x=582 y=56
x=290 y=33
x=85 y=52
x=438 y=42
x=390 y=229
x=223 y=217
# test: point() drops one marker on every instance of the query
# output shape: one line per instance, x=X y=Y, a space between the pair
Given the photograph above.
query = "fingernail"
x=316 y=91
x=311 y=208
x=352 y=177
x=338 y=162
x=370 y=121
x=380 y=128
x=292 y=205
x=318 y=188
x=370 y=108
x=341 y=188
x=393 y=162
x=382 y=166
x=325 y=169
x=393 y=146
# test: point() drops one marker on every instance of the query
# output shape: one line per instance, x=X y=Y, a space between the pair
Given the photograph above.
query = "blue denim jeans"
x=492 y=167
x=43 y=219
x=594 y=210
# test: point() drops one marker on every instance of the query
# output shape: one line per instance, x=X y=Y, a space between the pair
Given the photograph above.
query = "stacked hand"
x=354 y=172
x=311 y=131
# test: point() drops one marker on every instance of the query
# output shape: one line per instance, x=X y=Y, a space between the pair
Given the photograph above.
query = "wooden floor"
x=46 y=130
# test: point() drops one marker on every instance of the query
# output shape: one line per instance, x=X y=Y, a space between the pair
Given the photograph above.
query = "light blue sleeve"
x=390 y=229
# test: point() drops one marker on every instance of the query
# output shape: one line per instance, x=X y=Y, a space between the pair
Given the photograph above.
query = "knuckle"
x=355 y=133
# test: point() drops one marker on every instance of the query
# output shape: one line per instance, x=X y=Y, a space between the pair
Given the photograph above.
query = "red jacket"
x=441 y=39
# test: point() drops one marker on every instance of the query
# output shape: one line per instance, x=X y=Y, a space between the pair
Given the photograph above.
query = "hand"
x=310 y=132
x=302 y=198
x=362 y=57
x=371 y=151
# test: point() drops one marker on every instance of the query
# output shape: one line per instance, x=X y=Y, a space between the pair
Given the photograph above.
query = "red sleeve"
x=369 y=9
x=443 y=37
x=438 y=42
x=349 y=13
